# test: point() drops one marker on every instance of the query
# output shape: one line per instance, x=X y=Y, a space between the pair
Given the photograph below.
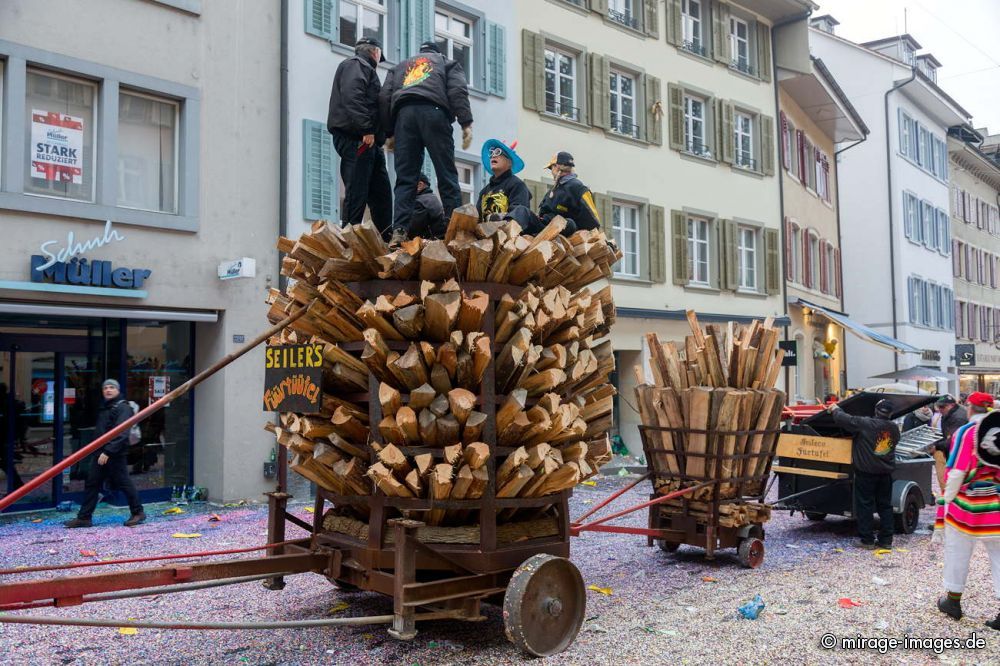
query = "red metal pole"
x=148 y=411
x=658 y=500
x=612 y=498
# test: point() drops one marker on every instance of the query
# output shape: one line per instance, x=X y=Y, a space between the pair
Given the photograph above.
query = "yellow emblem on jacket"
x=495 y=202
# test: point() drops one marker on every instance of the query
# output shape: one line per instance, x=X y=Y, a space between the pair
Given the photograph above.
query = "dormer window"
x=907 y=53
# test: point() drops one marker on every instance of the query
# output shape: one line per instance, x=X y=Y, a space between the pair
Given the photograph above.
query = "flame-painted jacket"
x=501 y=194
x=875 y=439
x=426 y=78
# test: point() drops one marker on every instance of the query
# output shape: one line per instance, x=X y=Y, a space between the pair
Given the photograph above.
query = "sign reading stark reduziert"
x=293 y=375
x=56 y=147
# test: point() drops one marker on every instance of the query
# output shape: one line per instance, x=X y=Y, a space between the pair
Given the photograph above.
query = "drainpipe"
x=283 y=137
x=892 y=240
x=840 y=239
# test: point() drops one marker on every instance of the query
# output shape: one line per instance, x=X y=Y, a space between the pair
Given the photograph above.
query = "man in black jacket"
x=111 y=463
x=953 y=416
x=873 y=452
x=428 y=219
x=421 y=98
x=568 y=197
x=505 y=190
x=353 y=121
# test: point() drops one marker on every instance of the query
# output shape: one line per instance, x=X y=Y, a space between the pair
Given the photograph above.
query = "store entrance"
x=49 y=396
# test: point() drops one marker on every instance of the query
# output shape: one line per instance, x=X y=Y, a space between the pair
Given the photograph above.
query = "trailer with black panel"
x=816 y=474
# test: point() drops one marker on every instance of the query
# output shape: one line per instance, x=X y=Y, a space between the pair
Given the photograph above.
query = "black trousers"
x=873 y=493
x=366 y=182
x=421 y=127
x=115 y=471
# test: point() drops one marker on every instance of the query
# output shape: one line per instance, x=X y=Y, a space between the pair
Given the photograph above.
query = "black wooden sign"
x=293 y=375
x=965 y=354
x=791 y=353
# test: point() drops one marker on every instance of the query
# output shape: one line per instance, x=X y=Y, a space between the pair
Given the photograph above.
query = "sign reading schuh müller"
x=293 y=375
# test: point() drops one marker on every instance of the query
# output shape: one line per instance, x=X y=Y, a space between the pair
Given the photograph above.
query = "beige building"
x=815 y=116
x=669 y=110
x=975 y=226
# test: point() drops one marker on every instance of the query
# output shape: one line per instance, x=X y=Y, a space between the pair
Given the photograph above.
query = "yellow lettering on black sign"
x=297 y=356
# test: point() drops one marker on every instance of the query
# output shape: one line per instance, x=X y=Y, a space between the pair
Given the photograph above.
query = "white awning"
x=862 y=331
x=210 y=316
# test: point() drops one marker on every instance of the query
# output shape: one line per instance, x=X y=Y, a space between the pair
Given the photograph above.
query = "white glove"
x=466 y=137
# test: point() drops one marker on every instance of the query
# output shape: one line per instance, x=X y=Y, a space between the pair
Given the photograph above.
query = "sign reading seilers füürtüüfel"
x=293 y=375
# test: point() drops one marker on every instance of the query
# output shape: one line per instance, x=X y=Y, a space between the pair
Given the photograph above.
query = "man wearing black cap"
x=873 y=453
x=353 y=121
x=953 y=417
x=428 y=219
x=420 y=100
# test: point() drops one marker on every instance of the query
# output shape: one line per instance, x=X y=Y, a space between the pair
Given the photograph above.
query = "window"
x=560 y=84
x=453 y=35
x=623 y=104
x=791 y=148
x=822 y=167
x=625 y=225
x=466 y=181
x=944 y=232
x=923 y=145
x=928 y=225
x=743 y=140
x=147 y=152
x=907 y=53
x=362 y=18
x=694 y=126
x=739 y=44
x=698 y=251
x=623 y=11
x=911 y=217
x=905 y=133
x=60 y=132
x=692 y=26
x=747 y=257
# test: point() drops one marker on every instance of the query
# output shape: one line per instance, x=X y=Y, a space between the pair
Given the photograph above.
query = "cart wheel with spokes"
x=544 y=606
x=668 y=546
x=751 y=552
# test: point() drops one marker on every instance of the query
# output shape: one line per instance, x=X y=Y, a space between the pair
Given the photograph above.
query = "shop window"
x=61 y=130
x=147 y=152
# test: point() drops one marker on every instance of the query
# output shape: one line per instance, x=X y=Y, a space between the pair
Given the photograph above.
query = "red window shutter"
x=838 y=275
x=788 y=242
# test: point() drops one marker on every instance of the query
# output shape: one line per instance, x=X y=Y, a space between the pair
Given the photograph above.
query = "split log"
x=441 y=314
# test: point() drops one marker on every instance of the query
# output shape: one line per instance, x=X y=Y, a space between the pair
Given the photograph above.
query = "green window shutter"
x=676 y=95
x=657 y=242
x=772 y=262
x=764 y=52
x=729 y=266
x=496 y=53
x=604 y=209
x=533 y=73
x=727 y=139
x=720 y=33
x=416 y=26
x=600 y=91
x=599 y=6
x=767 y=145
x=652 y=18
x=320 y=199
x=654 y=110
x=320 y=18
x=537 y=190
x=679 y=250
x=673 y=12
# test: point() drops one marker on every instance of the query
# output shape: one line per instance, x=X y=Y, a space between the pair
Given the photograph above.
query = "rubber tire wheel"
x=908 y=521
x=668 y=546
x=545 y=605
x=815 y=516
x=751 y=552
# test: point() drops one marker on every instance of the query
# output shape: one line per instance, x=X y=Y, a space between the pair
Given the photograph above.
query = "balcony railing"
x=563 y=107
x=624 y=18
x=697 y=147
x=695 y=46
x=745 y=161
x=625 y=126
x=743 y=65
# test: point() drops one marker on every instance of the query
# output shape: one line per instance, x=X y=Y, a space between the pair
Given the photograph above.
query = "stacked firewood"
x=718 y=392
x=429 y=354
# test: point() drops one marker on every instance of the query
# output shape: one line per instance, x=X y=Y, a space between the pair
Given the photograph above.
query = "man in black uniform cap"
x=353 y=121
x=568 y=197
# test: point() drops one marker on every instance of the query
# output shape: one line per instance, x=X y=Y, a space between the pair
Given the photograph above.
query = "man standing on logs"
x=421 y=98
x=874 y=457
x=505 y=190
x=353 y=121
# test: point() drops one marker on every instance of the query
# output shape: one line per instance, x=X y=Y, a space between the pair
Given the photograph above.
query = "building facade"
x=669 y=110
x=130 y=169
x=815 y=116
x=894 y=200
x=975 y=223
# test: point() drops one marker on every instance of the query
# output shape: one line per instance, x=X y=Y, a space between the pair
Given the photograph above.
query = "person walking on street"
x=971 y=507
x=353 y=122
x=873 y=453
x=421 y=98
x=505 y=190
x=953 y=417
x=428 y=219
x=111 y=463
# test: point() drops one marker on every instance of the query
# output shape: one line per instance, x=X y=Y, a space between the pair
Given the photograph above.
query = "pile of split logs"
x=718 y=393
x=405 y=407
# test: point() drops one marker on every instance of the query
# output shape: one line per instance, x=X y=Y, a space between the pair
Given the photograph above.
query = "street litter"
x=607 y=591
x=752 y=609
x=846 y=602
x=185 y=535
x=173 y=511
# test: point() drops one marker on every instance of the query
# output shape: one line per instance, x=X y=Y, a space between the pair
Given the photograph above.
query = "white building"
x=322 y=33
x=894 y=199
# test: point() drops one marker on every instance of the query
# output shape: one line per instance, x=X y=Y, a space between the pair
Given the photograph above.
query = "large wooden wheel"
x=544 y=606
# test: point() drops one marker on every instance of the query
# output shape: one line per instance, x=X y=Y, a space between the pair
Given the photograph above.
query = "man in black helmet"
x=353 y=122
x=421 y=98
x=873 y=453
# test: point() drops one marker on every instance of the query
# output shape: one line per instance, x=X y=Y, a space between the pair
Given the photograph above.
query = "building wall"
x=227 y=56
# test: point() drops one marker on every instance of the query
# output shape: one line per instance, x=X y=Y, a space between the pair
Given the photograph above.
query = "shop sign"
x=245 y=267
x=791 y=353
x=56 y=147
x=293 y=375
x=932 y=355
x=79 y=271
x=74 y=249
x=965 y=355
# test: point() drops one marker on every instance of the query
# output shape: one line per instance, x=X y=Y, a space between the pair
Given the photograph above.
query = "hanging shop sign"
x=965 y=355
x=245 y=267
x=293 y=375
x=56 y=147
x=791 y=353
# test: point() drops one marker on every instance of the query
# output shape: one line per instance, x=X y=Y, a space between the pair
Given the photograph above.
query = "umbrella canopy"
x=917 y=373
x=895 y=388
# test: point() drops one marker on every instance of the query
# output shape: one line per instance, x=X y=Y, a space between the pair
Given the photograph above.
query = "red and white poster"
x=56 y=147
x=159 y=386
